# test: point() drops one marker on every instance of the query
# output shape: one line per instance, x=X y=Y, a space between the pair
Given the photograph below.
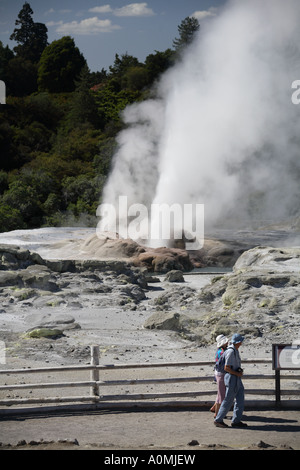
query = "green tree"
x=22 y=34
x=102 y=161
x=123 y=63
x=24 y=199
x=96 y=78
x=5 y=56
x=187 y=30
x=21 y=76
x=112 y=101
x=8 y=152
x=31 y=37
x=60 y=65
x=28 y=125
x=119 y=69
x=28 y=191
x=156 y=64
x=84 y=109
x=135 y=78
x=80 y=143
x=3 y=181
x=82 y=194
x=10 y=218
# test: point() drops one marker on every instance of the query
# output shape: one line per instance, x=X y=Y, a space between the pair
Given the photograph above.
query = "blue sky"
x=103 y=28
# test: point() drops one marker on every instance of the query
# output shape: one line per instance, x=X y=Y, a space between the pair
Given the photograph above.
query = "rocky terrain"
x=260 y=299
x=53 y=309
x=42 y=301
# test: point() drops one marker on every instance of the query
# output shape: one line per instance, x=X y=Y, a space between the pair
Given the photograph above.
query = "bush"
x=10 y=218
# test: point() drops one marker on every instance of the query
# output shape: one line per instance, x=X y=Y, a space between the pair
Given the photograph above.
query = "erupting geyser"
x=222 y=129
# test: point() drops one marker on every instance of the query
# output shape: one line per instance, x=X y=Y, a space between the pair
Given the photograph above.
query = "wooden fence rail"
x=96 y=386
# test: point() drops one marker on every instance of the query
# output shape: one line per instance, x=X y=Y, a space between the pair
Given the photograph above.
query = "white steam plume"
x=222 y=130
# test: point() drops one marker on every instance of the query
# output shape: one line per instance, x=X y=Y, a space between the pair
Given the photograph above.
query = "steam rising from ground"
x=222 y=130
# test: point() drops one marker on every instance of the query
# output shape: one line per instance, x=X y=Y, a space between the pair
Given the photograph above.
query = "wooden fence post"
x=94 y=375
x=277 y=388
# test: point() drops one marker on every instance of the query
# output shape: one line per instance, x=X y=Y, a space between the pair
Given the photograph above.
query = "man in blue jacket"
x=234 y=385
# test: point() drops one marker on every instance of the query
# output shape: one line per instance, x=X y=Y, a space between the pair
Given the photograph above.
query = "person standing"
x=234 y=385
x=222 y=343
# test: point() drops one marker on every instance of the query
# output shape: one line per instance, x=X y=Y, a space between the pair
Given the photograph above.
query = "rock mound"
x=222 y=253
x=265 y=258
x=154 y=259
x=164 y=321
x=107 y=246
x=175 y=276
x=259 y=299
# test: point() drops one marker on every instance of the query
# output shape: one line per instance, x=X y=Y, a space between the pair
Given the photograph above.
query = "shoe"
x=220 y=424
x=239 y=425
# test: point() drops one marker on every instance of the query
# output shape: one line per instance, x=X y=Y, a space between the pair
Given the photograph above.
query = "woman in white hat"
x=222 y=343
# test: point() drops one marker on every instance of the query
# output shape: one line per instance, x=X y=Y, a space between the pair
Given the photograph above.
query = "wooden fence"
x=95 y=398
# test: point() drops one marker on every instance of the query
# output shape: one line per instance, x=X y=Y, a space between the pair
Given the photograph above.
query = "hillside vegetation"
x=59 y=125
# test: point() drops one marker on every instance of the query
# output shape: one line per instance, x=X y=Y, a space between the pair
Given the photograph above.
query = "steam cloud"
x=222 y=129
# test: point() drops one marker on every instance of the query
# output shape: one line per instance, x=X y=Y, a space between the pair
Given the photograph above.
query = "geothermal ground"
x=59 y=296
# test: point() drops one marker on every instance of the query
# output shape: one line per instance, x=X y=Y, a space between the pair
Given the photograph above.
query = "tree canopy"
x=60 y=64
x=187 y=30
x=32 y=38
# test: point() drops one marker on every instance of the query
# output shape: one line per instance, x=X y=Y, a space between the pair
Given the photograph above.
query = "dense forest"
x=59 y=125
